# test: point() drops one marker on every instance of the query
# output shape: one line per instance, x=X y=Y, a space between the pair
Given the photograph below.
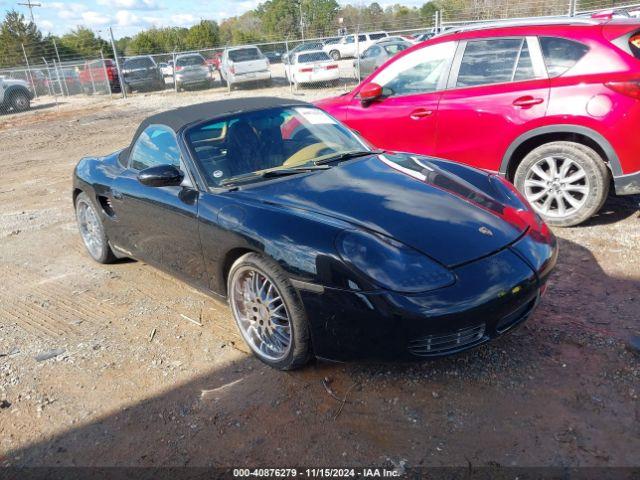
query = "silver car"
x=192 y=69
x=377 y=54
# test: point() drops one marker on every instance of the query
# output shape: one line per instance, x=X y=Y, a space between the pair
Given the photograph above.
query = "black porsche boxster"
x=323 y=246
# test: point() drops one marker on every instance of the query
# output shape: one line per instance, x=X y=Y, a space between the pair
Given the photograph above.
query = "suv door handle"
x=419 y=113
x=527 y=101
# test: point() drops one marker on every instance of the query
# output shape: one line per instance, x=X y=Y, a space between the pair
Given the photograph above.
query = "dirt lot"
x=139 y=383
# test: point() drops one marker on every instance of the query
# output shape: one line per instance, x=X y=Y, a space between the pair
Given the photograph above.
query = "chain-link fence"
x=315 y=67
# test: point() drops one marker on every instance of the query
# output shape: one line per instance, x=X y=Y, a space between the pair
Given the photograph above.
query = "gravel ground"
x=132 y=380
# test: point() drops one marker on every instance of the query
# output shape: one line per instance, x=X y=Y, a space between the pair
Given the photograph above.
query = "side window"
x=489 y=61
x=561 y=54
x=524 y=68
x=155 y=146
x=395 y=48
x=421 y=71
x=377 y=36
x=372 y=52
x=362 y=38
x=350 y=39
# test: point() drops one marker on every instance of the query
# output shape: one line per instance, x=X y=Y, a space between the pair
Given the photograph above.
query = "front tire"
x=20 y=102
x=268 y=312
x=335 y=54
x=92 y=231
x=565 y=182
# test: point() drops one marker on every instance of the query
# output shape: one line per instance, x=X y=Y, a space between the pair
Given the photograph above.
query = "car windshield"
x=254 y=145
x=244 y=54
x=313 y=57
x=191 y=60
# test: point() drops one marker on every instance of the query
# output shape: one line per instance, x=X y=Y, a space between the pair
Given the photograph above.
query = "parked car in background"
x=99 y=75
x=321 y=246
x=14 y=95
x=400 y=38
x=302 y=47
x=350 y=45
x=314 y=66
x=423 y=37
x=244 y=64
x=378 y=53
x=142 y=73
x=192 y=70
x=65 y=81
x=274 y=56
x=552 y=105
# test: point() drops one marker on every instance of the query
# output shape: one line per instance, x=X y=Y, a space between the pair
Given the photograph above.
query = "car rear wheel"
x=20 y=101
x=92 y=230
x=565 y=182
x=268 y=312
x=335 y=54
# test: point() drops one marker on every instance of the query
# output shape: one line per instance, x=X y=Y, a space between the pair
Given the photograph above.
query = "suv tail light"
x=629 y=88
x=232 y=69
x=305 y=70
x=178 y=68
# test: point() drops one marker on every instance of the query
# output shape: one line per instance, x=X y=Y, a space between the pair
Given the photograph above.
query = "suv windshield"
x=272 y=140
x=190 y=61
x=244 y=55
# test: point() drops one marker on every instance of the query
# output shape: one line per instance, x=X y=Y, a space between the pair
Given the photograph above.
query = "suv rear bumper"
x=627 y=184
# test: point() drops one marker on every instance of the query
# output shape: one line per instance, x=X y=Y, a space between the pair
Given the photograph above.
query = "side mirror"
x=161 y=176
x=369 y=93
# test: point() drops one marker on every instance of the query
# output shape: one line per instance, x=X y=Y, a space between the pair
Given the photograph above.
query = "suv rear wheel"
x=565 y=182
x=335 y=54
x=20 y=101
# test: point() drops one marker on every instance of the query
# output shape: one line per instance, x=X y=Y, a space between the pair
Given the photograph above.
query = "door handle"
x=419 y=113
x=527 y=101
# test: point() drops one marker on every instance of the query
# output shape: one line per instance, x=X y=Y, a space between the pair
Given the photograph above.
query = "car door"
x=405 y=118
x=497 y=88
x=368 y=59
x=158 y=224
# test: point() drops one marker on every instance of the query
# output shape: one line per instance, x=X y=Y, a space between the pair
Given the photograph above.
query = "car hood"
x=440 y=215
x=12 y=81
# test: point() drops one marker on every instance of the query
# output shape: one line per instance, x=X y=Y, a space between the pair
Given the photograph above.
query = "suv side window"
x=496 y=60
x=421 y=71
x=561 y=54
x=377 y=36
x=157 y=145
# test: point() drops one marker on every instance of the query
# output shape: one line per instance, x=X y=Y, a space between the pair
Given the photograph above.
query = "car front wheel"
x=92 y=230
x=335 y=54
x=268 y=312
x=20 y=102
x=565 y=182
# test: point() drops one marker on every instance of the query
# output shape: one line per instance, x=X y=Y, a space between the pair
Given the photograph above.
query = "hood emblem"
x=485 y=231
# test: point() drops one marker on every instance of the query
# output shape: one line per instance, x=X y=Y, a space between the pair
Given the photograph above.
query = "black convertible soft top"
x=180 y=117
x=199 y=112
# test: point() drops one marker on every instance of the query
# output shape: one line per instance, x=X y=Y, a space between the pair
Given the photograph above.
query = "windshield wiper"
x=339 y=157
x=280 y=172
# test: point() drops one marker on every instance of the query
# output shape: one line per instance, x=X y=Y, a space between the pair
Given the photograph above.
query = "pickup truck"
x=95 y=74
x=350 y=46
x=15 y=95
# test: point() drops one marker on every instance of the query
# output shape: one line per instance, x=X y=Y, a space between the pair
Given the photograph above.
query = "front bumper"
x=627 y=184
x=490 y=297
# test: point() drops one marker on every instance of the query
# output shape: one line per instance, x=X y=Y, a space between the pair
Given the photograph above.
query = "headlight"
x=391 y=264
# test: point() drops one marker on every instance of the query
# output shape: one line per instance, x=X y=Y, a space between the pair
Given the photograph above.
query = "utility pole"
x=30 y=6
x=301 y=21
x=115 y=56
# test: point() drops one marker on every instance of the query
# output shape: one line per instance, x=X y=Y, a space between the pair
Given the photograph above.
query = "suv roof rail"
x=522 y=22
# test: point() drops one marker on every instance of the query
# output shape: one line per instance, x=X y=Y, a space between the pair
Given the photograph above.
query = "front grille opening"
x=514 y=318
x=106 y=205
x=449 y=342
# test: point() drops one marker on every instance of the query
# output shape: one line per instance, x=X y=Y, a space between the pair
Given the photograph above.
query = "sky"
x=130 y=16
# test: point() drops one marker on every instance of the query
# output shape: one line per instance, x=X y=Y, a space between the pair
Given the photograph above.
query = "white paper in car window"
x=315 y=116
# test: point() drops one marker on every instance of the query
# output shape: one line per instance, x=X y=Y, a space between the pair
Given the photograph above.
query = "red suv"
x=553 y=106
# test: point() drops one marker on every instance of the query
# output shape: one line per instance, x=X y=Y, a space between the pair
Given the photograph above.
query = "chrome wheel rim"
x=21 y=102
x=261 y=315
x=90 y=228
x=556 y=186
